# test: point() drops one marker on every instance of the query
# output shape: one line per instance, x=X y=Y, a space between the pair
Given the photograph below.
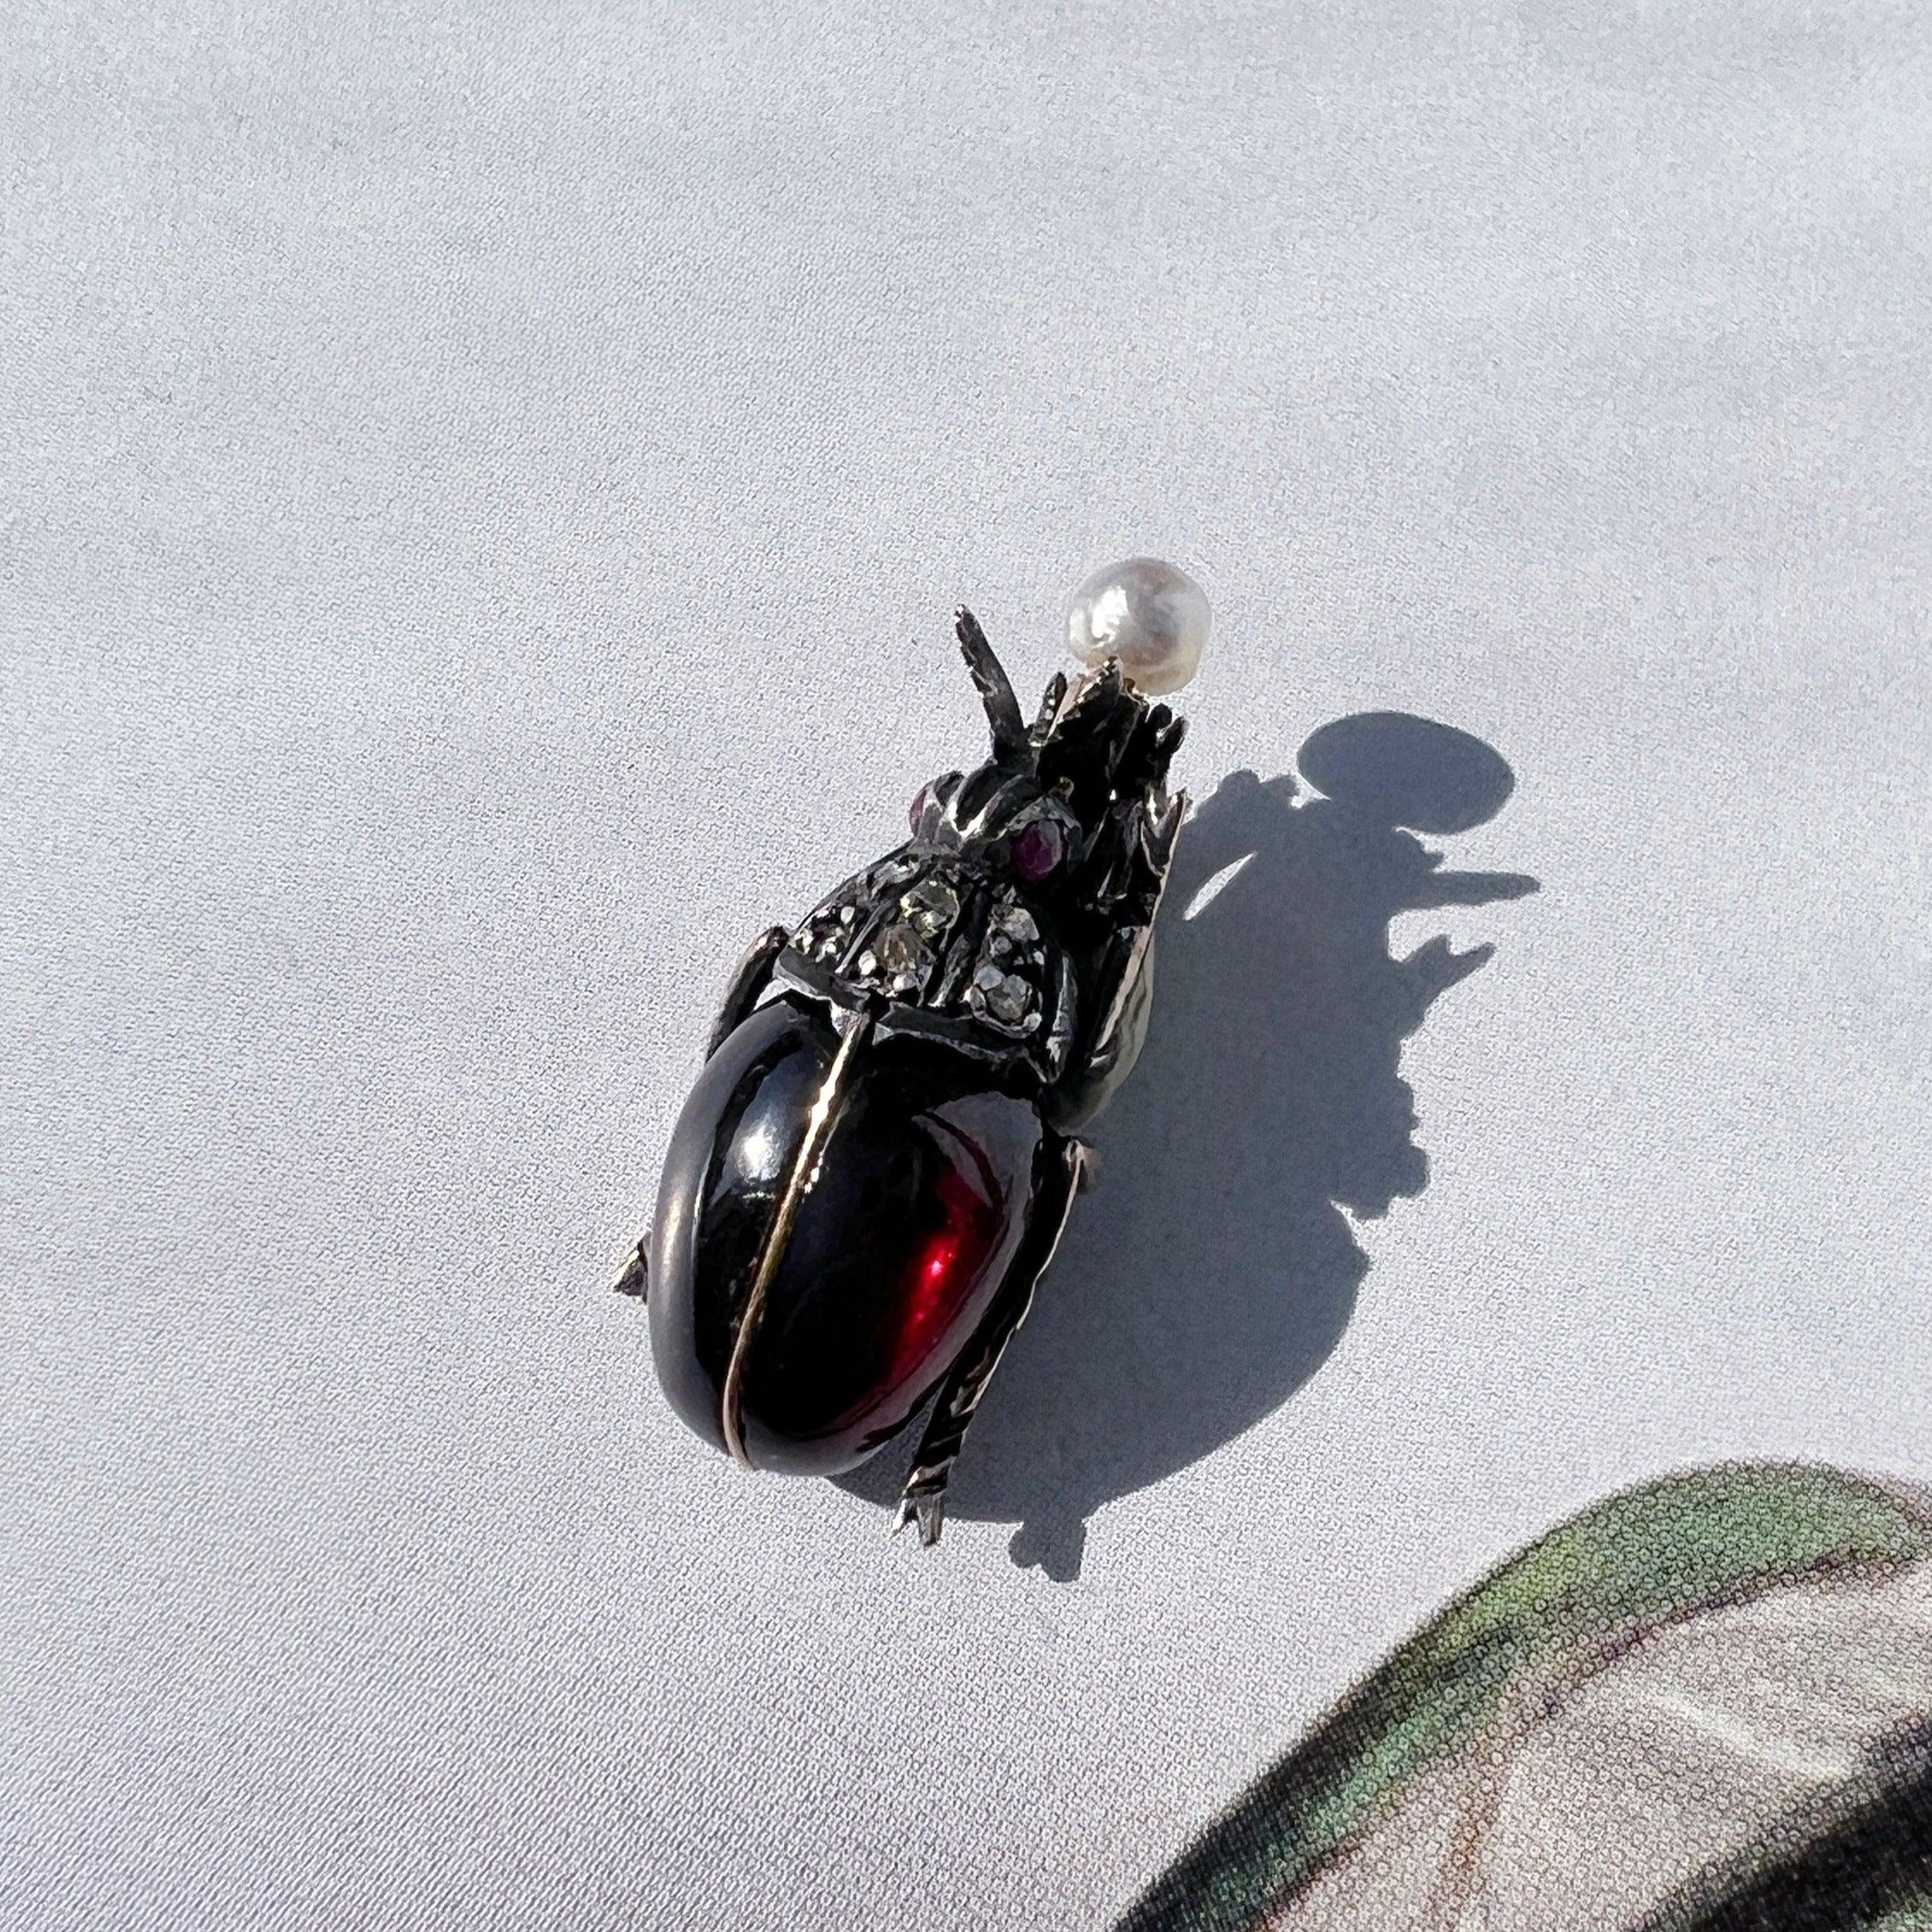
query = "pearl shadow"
x=1212 y=1268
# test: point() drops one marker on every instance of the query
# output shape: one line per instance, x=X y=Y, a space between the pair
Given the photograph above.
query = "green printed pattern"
x=1549 y=1618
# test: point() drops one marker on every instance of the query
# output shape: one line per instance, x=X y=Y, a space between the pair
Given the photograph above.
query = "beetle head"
x=1054 y=804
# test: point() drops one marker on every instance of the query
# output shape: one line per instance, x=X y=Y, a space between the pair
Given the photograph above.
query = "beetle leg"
x=636 y=1276
x=1121 y=990
x=1158 y=834
x=748 y=979
x=924 y=1499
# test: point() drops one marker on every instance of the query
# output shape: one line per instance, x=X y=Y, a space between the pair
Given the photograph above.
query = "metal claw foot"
x=636 y=1276
x=927 y=1511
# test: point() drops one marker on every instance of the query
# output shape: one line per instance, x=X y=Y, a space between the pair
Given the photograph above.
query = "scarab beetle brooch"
x=876 y=1162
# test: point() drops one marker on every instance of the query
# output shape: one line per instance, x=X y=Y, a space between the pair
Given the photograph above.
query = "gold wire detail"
x=798 y=1184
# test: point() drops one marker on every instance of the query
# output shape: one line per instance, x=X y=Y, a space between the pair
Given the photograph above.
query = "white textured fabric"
x=484 y=489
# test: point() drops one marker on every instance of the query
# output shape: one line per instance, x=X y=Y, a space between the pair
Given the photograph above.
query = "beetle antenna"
x=995 y=687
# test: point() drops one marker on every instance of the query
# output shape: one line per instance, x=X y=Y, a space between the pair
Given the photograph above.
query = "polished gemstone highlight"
x=913 y=1215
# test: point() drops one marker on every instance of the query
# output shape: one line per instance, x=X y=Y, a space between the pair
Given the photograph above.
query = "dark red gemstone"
x=919 y=1201
x=1038 y=849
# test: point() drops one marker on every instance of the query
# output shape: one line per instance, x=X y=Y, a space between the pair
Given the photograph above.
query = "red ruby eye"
x=1038 y=850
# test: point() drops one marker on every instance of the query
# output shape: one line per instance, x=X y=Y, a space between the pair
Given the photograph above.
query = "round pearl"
x=1149 y=615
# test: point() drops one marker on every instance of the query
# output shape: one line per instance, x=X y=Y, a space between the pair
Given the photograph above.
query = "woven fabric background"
x=484 y=488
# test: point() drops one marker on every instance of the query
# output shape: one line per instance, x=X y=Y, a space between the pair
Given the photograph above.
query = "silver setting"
x=749 y=979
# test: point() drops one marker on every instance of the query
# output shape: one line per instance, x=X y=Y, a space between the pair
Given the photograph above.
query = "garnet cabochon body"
x=918 y=1204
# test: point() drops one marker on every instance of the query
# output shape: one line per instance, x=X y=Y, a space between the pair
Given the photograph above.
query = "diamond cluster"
x=999 y=993
x=903 y=954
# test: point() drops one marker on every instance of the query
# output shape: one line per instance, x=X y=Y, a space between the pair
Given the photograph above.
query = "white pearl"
x=1149 y=615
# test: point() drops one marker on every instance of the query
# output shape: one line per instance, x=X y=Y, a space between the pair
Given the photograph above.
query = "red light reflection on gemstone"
x=943 y=1271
